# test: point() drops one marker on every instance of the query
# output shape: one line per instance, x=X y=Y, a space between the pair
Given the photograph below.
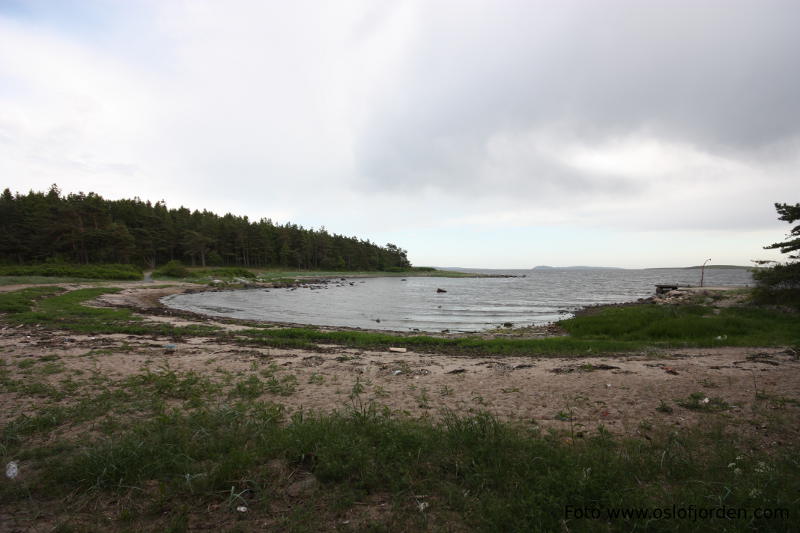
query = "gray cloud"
x=718 y=75
x=422 y=122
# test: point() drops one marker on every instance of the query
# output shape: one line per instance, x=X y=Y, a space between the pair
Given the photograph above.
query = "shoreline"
x=97 y=400
x=484 y=376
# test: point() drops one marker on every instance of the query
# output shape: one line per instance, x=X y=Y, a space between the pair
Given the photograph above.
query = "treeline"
x=87 y=229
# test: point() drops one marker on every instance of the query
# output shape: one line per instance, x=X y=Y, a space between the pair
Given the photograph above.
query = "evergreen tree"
x=86 y=228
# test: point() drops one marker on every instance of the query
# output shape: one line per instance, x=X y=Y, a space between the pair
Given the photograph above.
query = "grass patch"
x=693 y=325
x=52 y=307
x=304 y=337
x=697 y=401
x=610 y=330
x=51 y=270
x=471 y=472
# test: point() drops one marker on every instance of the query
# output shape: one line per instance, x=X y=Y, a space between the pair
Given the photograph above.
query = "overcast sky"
x=481 y=134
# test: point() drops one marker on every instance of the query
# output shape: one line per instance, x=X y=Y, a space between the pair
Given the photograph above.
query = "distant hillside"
x=546 y=267
x=718 y=267
x=708 y=267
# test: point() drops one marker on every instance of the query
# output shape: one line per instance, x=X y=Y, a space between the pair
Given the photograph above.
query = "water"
x=470 y=304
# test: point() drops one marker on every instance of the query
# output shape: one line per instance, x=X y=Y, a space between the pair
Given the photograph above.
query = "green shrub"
x=173 y=269
x=102 y=271
x=231 y=272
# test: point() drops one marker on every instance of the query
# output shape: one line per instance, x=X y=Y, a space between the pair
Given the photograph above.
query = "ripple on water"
x=470 y=304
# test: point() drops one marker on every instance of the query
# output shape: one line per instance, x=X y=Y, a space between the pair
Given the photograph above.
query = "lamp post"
x=703 y=271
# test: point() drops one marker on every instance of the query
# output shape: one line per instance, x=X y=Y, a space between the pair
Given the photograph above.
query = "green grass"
x=308 y=337
x=100 y=271
x=689 y=325
x=43 y=280
x=610 y=330
x=697 y=401
x=16 y=302
x=473 y=472
x=164 y=449
x=52 y=307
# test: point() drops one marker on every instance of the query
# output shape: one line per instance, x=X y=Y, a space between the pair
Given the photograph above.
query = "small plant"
x=51 y=368
x=664 y=408
x=777 y=401
x=564 y=415
x=249 y=388
x=423 y=399
x=270 y=370
x=402 y=367
x=445 y=391
x=697 y=401
x=285 y=386
x=357 y=390
x=316 y=379
x=379 y=392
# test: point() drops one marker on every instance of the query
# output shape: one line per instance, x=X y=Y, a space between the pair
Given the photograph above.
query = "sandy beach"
x=620 y=392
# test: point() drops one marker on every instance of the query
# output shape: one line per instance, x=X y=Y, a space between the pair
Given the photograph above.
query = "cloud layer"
x=422 y=121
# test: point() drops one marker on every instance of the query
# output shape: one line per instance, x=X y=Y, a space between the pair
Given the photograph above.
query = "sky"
x=495 y=134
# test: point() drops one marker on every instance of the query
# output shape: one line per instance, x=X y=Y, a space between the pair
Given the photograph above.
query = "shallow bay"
x=468 y=305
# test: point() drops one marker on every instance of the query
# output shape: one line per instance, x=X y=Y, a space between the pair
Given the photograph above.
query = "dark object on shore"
x=440 y=290
x=582 y=368
x=663 y=289
x=508 y=324
x=457 y=371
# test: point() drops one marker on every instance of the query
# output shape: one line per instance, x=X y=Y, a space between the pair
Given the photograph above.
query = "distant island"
x=547 y=267
x=716 y=267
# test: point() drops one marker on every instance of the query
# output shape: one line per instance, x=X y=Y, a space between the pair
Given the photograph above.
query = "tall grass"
x=471 y=472
x=100 y=271
x=688 y=324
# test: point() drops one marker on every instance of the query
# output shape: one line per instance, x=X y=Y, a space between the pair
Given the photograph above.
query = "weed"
x=379 y=392
x=285 y=386
x=423 y=401
x=445 y=390
x=663 y=407
x=249 y=388
x=697 y=401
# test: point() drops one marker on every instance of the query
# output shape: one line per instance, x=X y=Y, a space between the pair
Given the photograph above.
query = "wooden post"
x=703 y=271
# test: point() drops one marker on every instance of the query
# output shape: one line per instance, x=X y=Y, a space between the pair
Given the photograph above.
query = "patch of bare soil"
x=618 y=392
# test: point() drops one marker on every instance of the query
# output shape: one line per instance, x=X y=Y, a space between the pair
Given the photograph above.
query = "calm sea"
x=470 y=304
